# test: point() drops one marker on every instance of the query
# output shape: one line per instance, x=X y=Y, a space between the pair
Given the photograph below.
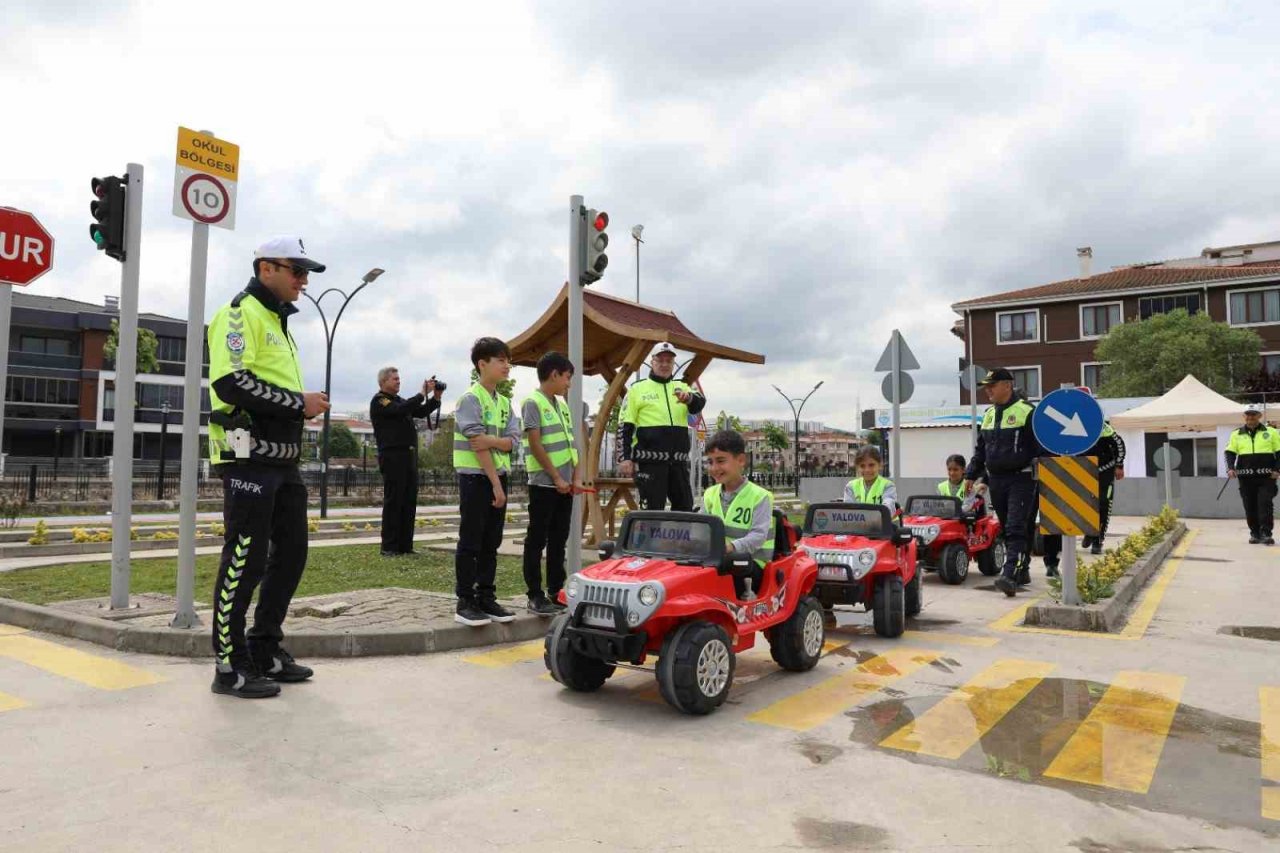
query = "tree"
x=343 y=443
x=506 y=387
x=1147 y=358
x=439 y=456
x=148 y=346
x=727 y=421
x=775 y=436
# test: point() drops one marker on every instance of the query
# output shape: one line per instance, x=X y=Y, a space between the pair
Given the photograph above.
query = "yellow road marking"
x=507 y=655
x=1139 y=619
x=93 y=670
x=957 y=639
x=11 y=703
x=10 y=630
x=964 y=716
x=814 y=706
x=1269 y=700
x=1119 y=744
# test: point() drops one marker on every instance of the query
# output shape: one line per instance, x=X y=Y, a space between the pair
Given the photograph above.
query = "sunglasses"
x=298 y=272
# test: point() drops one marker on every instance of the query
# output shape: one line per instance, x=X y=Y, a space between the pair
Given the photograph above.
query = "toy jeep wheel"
x=991 y=561
x=913 y=594
x=796 y=644
x=890 y=615
x=695 y=668
x=569 y=667
x=953 y=565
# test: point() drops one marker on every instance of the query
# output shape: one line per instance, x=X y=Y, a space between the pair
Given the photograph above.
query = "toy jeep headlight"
x=926 y=533
x=648 y=595
x=571 y=590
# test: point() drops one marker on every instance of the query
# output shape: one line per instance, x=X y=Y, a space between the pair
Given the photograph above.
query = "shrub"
x=40 y=536
x=1095 y=580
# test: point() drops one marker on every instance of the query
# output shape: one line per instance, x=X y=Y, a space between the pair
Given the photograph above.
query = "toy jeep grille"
x=596 y=597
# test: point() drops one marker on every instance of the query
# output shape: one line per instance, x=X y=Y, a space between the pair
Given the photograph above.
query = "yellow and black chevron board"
x=1069 y=495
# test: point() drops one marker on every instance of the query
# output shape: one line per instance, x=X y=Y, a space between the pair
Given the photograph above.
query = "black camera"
x=441 y=386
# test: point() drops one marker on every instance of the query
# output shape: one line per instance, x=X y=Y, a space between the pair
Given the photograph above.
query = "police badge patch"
x=235 y=342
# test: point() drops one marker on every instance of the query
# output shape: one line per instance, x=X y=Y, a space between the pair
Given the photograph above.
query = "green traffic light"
x=96 y=233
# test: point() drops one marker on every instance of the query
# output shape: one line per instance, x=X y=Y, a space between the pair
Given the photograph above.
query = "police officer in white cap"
x=655 y=434
x=1253 y=460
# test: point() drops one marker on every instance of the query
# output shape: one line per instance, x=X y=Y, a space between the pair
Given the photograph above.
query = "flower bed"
x=1096 y=579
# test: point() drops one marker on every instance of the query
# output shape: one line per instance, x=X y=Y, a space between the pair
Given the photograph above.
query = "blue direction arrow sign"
x=1067 y=422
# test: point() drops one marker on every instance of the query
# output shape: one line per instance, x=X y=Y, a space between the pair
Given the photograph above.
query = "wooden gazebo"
x=618 y=335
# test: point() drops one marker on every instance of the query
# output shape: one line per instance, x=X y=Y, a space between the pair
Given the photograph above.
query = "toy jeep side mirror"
x=606 y=549
x=903 y=537
x=734 y=564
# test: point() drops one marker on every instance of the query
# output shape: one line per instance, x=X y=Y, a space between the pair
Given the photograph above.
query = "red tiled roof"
x=1130 y=278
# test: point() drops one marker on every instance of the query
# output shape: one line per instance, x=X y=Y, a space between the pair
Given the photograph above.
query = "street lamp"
x=57 y=449
x=795 y=411
x=164 y=435
x=329 y=332
x=636 y=231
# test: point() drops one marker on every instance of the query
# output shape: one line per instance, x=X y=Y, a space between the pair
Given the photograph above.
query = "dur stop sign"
x=26 y=248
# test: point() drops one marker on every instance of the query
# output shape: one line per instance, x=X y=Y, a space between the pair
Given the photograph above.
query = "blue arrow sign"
x=1067 y=422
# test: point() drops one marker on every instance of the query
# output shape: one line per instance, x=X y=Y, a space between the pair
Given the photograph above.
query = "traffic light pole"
x=6 y=309
x=185 y=614
x=576 y=244
x=126 y=380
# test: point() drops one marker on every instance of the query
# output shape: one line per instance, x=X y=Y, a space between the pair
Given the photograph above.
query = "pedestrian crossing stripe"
x=1119 y=744
x=965 y=715
x=507 y=655
x=1069 y=495
x=9 y=630
x=1269 y=705
x=93 y=670
x=812 y=707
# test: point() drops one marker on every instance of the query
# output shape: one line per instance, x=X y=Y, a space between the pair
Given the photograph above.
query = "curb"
x=195 y=643
x=1107 y=616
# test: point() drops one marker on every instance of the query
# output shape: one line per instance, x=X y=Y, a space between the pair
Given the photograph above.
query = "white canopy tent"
x=1189 y=410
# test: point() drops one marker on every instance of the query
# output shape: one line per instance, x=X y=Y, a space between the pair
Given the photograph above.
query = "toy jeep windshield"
x=684 y=539
x=870 y=521
x=935 y=506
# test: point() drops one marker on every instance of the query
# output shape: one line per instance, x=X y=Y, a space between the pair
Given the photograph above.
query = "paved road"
x=964 y=734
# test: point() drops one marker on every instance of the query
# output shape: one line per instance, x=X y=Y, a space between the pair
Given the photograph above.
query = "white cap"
x=1252 y=408
x=663 y=347
x=289 y=248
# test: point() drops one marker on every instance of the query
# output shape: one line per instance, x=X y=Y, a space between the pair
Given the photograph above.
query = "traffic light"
x=108 y=209
x=597 y=242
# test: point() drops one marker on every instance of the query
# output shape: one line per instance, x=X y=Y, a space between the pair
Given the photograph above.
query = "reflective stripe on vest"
x=946 y=490
x=863 y=495
x=556 y=431
x=496 y=412
x=737 y=519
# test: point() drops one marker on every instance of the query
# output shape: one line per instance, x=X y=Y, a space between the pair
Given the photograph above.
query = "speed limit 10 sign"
x=204 y=184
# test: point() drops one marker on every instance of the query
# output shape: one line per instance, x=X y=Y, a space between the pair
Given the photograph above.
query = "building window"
x=1027 y=380
x=1097 y=320
x=1253 y=307
x=46 y=346
x=1271 y=362
x=171 y=349
x=41 y=391
x=1018 y=327
x=152 y=396
x=1150 y=306
x=1091 y=375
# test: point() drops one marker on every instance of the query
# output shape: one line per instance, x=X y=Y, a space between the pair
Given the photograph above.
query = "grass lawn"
x=335 y=569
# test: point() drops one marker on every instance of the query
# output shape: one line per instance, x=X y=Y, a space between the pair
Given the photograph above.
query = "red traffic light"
x=601 y=221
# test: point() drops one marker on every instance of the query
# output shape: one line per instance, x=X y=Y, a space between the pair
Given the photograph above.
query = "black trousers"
x=550 y=514
x=399 y=468
x=1258 y=494
x=1106 y=497
x=479 y=536
x=1013 y=497
x=658 y=482
x=264 y=509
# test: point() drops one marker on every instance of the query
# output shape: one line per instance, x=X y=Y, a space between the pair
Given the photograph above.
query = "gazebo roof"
x=611 y=325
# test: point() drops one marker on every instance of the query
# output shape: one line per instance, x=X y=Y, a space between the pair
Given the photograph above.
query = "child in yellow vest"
x=745 y=508
x=869 y=487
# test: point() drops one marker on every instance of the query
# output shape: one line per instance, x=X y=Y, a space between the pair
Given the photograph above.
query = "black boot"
x=1006 y=584
x=243 y=684
x=278 y=665
x=1051 y=570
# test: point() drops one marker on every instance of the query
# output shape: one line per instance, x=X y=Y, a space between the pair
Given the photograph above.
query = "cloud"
x=811 y=176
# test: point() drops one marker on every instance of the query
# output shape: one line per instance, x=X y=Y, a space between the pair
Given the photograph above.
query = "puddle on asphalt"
x=818 y=752
x=1208 y=767
x=1252 y=632
x=923 y=624
x=1204 y=560
x=840 y=835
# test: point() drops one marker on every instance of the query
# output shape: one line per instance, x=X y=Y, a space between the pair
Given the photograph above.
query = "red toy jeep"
x=950 y=537
x=864 y=558
x=667 y=588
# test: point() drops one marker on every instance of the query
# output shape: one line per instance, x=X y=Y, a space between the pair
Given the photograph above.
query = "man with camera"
x=397 y=439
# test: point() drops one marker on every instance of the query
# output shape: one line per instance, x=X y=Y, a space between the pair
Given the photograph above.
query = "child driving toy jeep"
x=745 y=508
x=869 y=487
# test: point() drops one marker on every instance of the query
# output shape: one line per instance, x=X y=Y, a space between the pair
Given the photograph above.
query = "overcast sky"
x=810 y=175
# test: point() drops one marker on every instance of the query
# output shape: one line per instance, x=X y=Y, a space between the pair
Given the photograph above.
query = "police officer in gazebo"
x=655 y=434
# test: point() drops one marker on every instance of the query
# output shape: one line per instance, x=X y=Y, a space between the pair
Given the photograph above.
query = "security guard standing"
x=255 y=442
x=1253 y=458
x=397 y=439
x=1006 y=451
x=655 y=434
x=1110 y=451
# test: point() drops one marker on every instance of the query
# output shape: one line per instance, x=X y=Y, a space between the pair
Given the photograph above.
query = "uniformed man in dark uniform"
x=1006 y=453
x=397 y=438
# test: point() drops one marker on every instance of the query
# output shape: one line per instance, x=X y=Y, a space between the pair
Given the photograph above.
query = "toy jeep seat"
x=784 y=535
